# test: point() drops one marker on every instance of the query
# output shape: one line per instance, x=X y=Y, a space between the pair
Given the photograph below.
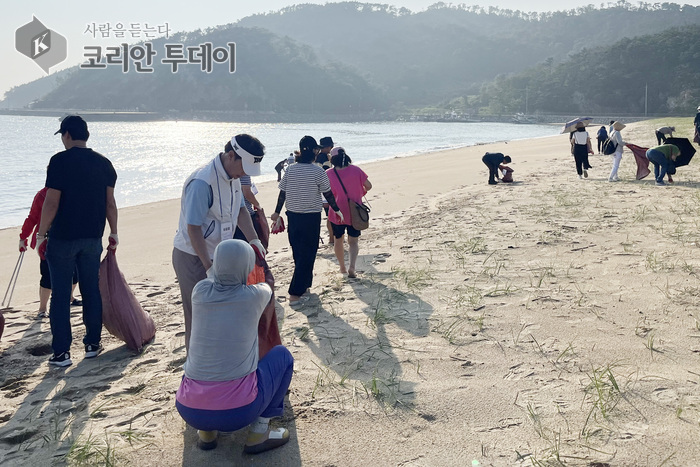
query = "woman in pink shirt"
x=357 y=185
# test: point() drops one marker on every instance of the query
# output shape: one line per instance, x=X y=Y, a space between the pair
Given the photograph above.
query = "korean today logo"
x=44 y=46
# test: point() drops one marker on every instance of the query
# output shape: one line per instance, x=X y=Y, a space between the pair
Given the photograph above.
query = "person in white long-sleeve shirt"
x=616 y=137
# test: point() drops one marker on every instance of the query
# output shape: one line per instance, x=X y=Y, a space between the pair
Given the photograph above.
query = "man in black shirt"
x=80 y=197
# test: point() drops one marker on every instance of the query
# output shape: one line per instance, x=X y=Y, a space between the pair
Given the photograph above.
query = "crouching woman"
x=226 y=387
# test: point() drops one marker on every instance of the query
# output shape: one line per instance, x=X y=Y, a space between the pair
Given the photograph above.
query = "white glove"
x=39 y=250
x=340 y=214
x=257 y=244
x=113 y=241
x=22 y=245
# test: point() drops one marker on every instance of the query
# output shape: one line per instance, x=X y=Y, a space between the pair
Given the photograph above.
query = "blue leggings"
x=274 y=375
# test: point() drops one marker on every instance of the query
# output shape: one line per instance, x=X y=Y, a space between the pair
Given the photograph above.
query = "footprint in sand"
x=14 y=387
x=150 y=361
x=40 y=350
x=380 y=258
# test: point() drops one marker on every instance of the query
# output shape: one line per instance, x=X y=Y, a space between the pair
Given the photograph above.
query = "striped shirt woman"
x=301 y=187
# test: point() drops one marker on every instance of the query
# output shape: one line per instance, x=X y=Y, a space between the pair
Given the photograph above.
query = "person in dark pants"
x=492 y=161
x=580 y=148
x=79 y=199
x=301 y=188
x=602 y=136
x=663 y=157
x=31 y=223
x=663 y=133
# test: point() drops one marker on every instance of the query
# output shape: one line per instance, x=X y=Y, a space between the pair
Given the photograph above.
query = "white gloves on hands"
x=113 y=241
x=257 y=245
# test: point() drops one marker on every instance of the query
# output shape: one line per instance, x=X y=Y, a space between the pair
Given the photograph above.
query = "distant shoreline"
x=274 y=117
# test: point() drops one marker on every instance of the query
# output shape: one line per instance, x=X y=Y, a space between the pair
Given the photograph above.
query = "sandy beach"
x=552 y=321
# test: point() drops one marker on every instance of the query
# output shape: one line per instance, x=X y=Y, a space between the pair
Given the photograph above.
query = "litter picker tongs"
x=13 y=283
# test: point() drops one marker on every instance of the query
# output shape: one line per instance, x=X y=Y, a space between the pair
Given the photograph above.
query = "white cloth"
x=580 y=137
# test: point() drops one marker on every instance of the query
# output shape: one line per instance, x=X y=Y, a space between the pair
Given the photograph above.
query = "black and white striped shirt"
x=303 y=184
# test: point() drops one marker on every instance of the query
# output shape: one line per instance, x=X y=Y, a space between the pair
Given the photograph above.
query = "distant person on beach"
x=301 y=188
x=283 y=164
x=696 y=123
x=506 y=173
x=347 y=182
x=225 y=386
x=601 y=136
x=616 y=137
x=211 y=208
x=663 y=133
x=493 y=160
x=323 y=159
x=30 y=227
x=79 y=199
x=580 y=148
x=663 y=157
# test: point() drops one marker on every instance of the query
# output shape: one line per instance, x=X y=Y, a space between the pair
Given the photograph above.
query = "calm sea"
x=152 y=159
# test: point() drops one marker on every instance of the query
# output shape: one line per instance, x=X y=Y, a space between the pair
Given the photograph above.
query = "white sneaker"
x=580 y=177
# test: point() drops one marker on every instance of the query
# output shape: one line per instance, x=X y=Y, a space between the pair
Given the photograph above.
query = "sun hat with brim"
x=618 y=126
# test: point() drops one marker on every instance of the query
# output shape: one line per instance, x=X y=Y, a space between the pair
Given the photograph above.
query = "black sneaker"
x=61 y=360
x=93 y=350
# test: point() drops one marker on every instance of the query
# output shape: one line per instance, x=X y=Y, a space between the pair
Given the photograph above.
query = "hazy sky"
x=70 y=18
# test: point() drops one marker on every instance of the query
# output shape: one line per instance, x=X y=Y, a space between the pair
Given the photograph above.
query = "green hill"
x=272 y=74
x=661 y=70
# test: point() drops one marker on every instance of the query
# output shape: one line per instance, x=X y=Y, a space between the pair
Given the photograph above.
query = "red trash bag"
x=268 y=331
x=641 y=159
x=122 y=313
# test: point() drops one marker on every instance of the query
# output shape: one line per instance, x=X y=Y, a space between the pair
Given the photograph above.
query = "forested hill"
x=273 y=73
x=421 y=58
x=353 y=58
x=662 y=69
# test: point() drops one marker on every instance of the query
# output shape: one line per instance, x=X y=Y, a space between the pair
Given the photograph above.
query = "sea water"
x=153 y=159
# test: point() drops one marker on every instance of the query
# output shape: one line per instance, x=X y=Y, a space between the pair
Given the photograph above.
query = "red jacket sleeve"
x=31 y=223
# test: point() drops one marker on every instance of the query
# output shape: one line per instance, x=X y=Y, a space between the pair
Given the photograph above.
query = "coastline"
x=484 y=319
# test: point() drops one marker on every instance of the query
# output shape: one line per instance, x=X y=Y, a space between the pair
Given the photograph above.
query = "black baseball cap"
x=307 y=143
x=73 y=124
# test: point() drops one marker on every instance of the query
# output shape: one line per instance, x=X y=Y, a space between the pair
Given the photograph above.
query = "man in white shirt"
x=212 y=206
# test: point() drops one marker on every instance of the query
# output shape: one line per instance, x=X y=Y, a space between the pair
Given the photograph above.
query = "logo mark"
x=45 y=46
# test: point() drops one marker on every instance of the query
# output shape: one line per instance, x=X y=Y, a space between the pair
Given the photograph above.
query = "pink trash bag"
x=122 y=313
